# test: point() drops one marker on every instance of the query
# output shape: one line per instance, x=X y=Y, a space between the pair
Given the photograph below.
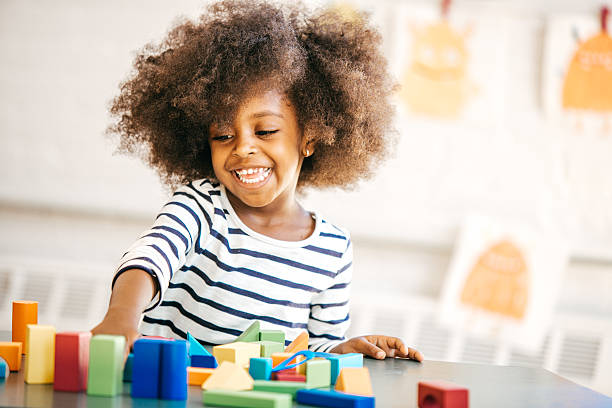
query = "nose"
x=245 y=145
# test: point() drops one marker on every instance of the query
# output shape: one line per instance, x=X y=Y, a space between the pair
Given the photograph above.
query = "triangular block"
x=251 y=333
x=229 y=376
x=300 y=343
x=355 y=380
x=195 y=348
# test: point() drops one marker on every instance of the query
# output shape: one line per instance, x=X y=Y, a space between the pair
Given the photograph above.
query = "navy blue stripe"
x=199 y=320
x=323 y=251
x=140 y=258
x=178 y=220
x=162 y=253
x=255 y=274
x=175 y=232
x=165 y=238
x=204 y=213
x=326 y=305
x=214 y=192
x=243 y=292
x=236 y=231
x=201 y=194
x=232 y=311
x=330 y=321
x=348 y=244
x=344 y=268
x=339 y=286
x=220 y=212
x=263 y=255
x=213 y=185
x=324 y=336
x=171 y=326
x=327 y=234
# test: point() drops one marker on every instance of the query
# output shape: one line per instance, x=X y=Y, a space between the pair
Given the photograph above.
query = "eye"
x=266 y=132
x=221 y=138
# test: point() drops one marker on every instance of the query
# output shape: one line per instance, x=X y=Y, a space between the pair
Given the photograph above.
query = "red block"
x=71 y=361
x=288 y=376
x=442 y=394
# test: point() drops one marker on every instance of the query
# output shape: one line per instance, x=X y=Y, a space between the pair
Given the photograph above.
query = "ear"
x=308 y=147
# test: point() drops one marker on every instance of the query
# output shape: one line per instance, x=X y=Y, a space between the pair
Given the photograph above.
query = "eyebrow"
x=267 y=113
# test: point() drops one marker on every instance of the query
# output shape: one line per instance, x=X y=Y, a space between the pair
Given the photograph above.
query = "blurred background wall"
x=69 y=207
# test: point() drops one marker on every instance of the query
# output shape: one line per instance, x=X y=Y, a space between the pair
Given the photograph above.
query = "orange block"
x=355 y=380
x=300 y=343
x=278 y=358
x=197 y=375
x=11 y=352
x=24 y=313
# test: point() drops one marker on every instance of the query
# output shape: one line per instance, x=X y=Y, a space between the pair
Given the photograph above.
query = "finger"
x=392 y=346
x=369 y=348
x=415 y=354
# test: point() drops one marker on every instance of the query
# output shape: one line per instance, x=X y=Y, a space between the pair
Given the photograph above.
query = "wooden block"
x=251 y=333
x=198 y=375
x=203 y=361
x=283 y=387
x=300 y=343
x=318 y=373
x=277 y=336
x=40 y=354
x=105 y=365
x=128 y=368
x=270 y=347
x=146 y=368
x=157 y=338
x=10 y=351
x=259 y=399
x=443 y=394
x=333 y=399
x=239 y=352
x=260 y=368
x=24 y=313
x=355 y=380
x=173 y=375
x=71 y=361
x=286 y=376
x=195 y=348
x=229 y=376
x=339 y=361
x=4 y=368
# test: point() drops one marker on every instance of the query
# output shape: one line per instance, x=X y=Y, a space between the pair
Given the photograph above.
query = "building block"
x=277 y=336
x=318 y=373
x=146 y=368
x=355 y=380
x=105 y=365
x=229 y=376
x=270 y=347
x=24 y=313
x=283 y=387
x=333 y=399
x=278 y=358
x=285 y=376
x=40 y=354
x=254 y=399
x=299 y=343
x=4 y=368
x=128 y=368
x=251 y=333
x=71 y=361
x=173 y=375
x=443 y=394
x=198 y=375
x=239 y=352
x=203 y=361
x=157 y=338
x=195 y=348
x=10 y=351
x=260 y=368
x=338 y=362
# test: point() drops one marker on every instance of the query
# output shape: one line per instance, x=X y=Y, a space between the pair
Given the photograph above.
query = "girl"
x=242 y=109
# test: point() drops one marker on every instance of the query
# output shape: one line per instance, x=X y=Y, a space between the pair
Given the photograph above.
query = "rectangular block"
x=260 y=368
x=442 y=394
x=11 y=351
x=333 y=399
x=173 y=375
x=277 y=336
x=239 y=353
x=146 y=368
x=270 y=347
x=318 y=373
x=253 y=399
x=24 y=313
x=203 y=361
x=283 y=387
x=40 y=354
x=71 y=361
x=4 y=368
x=288 y=376
x=128 y=368
x=339 y=361
x=198 y=375
x=105 y=365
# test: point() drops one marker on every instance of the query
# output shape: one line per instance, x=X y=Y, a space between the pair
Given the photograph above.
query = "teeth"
x=263 y=174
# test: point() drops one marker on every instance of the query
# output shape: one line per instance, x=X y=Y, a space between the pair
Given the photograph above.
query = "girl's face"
x=258 y=156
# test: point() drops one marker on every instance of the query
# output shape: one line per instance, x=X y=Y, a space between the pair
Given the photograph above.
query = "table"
x=394 y=382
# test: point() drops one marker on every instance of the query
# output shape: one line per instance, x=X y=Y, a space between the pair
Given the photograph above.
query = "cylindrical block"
x=174 y=370
x=24 y=313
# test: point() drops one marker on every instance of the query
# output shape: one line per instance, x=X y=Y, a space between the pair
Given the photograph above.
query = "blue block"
x=146 y=367
x=338 y=362
x=333 y=399
x=195 y=348
x=260 y=368
x=127 y=368
x=204 y=361
x=173 y=378
x=4 y=368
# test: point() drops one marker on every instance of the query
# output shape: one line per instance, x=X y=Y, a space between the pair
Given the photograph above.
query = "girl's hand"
x=378 y=347
x=116 y=323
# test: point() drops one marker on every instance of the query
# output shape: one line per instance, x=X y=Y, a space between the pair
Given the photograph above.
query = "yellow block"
x=198 y=375
x=300 y=343
x=40 y=354
x=355 y=380
x=229 y=376
x=238 y=352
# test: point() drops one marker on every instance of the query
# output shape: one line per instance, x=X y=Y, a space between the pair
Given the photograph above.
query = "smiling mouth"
x=252 y=175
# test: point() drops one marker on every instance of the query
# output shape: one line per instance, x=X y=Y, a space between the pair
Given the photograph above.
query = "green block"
x=283 y=387
x=269 y=347
x=277 y=336
x=105 y=376
x=252 y=399
x=250 y=334
x=318 y=373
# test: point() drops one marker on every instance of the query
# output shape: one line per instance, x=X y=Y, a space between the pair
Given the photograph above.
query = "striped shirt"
x=215 y=275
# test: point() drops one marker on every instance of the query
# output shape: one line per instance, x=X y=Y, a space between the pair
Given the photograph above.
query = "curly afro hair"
x=330 y=68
